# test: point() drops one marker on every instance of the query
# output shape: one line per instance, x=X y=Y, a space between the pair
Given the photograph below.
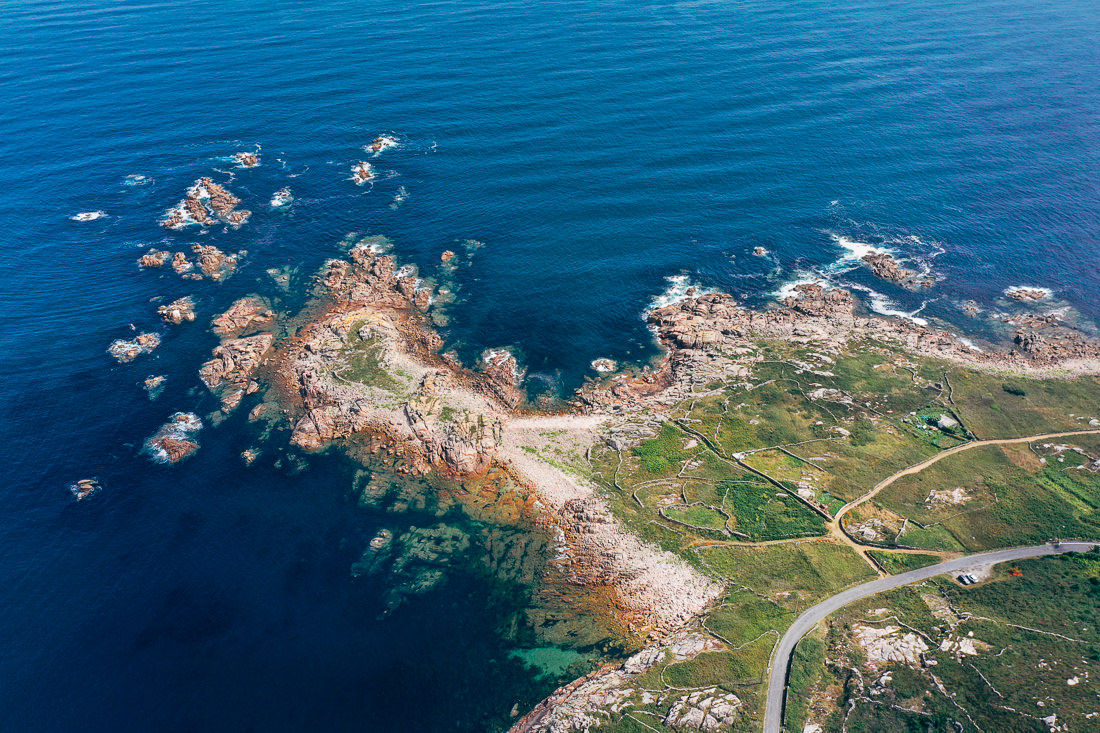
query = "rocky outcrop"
x=206 y=204
x=178 y=311
x=371 y=365
x=247 y=160
x=246 y=315
x=128 y=350
x=217 y=265
x=154 y=385
x=1025 y=294
x=154 y=258
x=84 y=488
x=883 y=265
x=176 y=439
x=383 y=142
x=229 y=373
x=362 y=172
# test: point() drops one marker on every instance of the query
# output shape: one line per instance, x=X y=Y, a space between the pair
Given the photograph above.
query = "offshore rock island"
x=737 y=478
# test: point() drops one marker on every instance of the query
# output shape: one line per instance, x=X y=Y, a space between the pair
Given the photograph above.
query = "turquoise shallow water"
x=596 y=149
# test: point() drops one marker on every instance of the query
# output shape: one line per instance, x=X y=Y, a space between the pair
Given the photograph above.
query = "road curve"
x=777 y=679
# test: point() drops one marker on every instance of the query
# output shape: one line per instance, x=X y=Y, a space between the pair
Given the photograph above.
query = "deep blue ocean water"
x=595 y=148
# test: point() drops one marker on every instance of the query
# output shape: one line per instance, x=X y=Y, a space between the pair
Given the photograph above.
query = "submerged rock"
x=1023 y=293
x=281 y=198
x=176 y=438
x=154 y=386
x=88 y=215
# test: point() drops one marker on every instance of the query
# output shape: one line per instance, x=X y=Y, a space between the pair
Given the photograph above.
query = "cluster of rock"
x=209 y=261
x=176 y=439
x=178 y=311
x=598 y=698
x=84 y=488
x=884 y=265
x=206 y=203
x=1025 y=294
x=383 y=142
x=247 y=160
x=126 y=350
x=362 y=172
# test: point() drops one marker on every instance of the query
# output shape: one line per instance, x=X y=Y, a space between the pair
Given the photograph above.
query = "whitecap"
x=1014 y=291
x=603 y=365
x=790 y=288
x=680 y=287
x=88 y=215
x=882 y=305
x=281 y=198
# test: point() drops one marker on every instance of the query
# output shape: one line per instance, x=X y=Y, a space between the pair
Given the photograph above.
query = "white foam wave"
x=680 y=287
x=1015 y=290
x=88 y=215
x=882 y=305
x=790 y=289
x=281 y=198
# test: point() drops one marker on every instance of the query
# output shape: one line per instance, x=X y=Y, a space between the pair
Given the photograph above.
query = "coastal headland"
x=709 y=497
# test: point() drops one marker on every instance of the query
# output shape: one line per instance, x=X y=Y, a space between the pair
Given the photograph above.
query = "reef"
x=178 y=311
x=247 y=160
x=207 y=203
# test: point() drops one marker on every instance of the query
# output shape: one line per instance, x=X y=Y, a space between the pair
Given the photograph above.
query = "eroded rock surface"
x=884 y=265
x=246 y=315
x=229 y=373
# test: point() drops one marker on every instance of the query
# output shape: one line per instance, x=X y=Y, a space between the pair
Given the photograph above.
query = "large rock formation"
x=247 y=314
x=229 y=373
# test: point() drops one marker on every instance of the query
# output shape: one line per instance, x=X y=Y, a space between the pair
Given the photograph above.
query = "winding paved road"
x=777 y=678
